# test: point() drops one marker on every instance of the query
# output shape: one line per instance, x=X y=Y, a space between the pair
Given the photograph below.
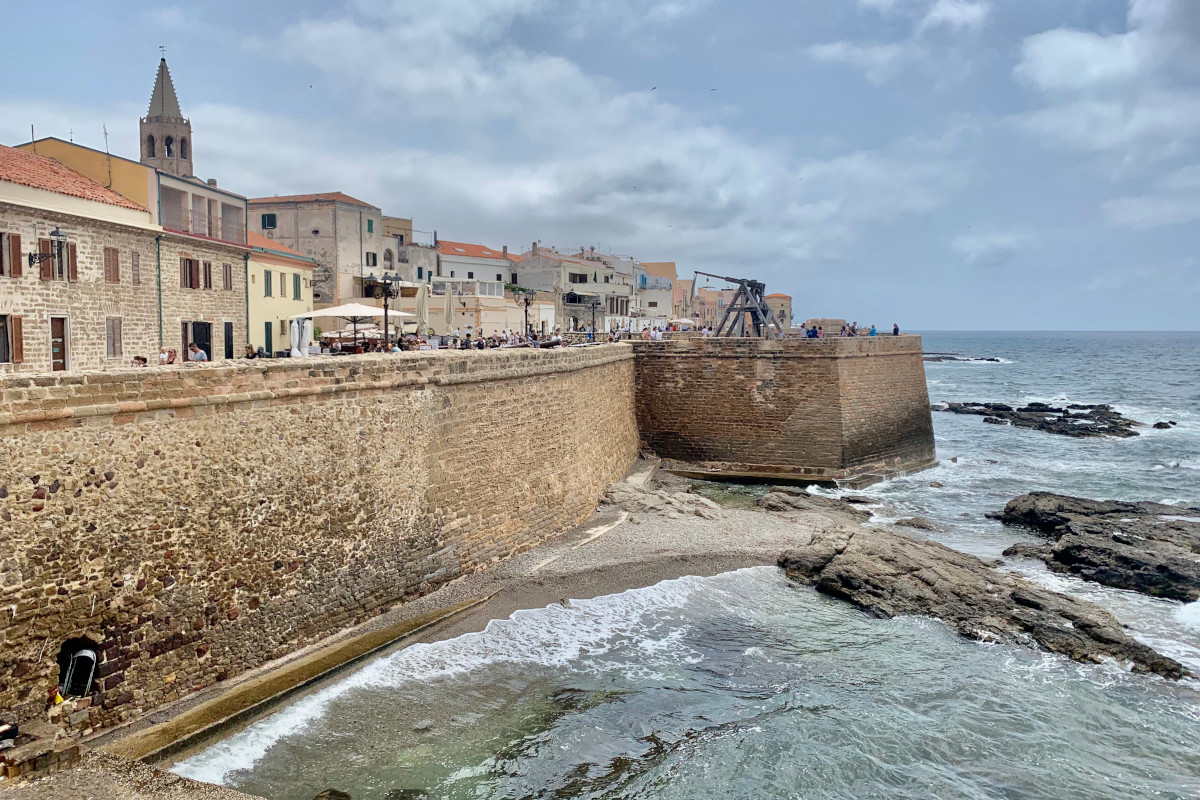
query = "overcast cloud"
x=937 y=163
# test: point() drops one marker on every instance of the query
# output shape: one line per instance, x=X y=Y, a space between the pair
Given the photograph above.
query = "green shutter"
x=266 y=283
x=296 y=286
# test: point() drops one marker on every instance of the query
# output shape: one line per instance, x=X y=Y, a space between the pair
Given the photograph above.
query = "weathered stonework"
x=195 y=522
x=823 y=409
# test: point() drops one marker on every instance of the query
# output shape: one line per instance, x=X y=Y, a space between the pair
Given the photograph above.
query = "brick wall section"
x=825 y=409
x=198 y=521
x=90 y=300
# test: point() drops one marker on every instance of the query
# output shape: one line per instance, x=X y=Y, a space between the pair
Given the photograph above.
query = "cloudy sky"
x=993 y=164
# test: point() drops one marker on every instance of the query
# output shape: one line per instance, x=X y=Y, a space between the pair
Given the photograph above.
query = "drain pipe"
x=158 y=266
x=246 y=286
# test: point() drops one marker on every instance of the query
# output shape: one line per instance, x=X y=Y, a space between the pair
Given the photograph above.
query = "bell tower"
x=166 y=135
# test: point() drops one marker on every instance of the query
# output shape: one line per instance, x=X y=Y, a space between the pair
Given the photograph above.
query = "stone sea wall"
x=809 y=408
x=195 y=522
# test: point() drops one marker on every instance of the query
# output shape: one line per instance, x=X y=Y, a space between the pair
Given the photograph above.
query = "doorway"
x=60 y=356
x=228 y=339
x=202 y=336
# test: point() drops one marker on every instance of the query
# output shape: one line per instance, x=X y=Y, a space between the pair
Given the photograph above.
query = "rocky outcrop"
x=1146 y=547
x=1078 y=421
x=794 y=498
x=673 y=505
x=888 y=575
x=920 y=523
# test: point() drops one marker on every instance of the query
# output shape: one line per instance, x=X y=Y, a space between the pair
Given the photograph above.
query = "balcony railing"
x=198 y=223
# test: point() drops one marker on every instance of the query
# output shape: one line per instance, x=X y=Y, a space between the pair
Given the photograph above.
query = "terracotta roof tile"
x=464 y=249
x=327 y=197
x=40 y=172
x=780 y=294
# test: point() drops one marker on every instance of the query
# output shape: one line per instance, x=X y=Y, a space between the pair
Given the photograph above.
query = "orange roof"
x=515 y=257
x=464 y=249
x=263 y=243
x=327 y=197
x=39 y=172
x=781 y=294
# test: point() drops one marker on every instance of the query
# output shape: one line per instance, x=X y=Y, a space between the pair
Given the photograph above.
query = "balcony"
x=197 y=223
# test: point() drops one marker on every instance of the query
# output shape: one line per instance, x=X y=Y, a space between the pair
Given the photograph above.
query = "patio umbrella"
x=449 y=308
x=295 y=337
x=355 y=312
x=422 y=308
x=306 y=336
x=682 y=321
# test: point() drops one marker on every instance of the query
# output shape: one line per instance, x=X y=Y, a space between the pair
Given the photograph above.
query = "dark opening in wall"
x=76 y=667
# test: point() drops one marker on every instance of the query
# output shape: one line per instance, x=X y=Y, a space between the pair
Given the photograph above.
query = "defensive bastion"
x=188 y=524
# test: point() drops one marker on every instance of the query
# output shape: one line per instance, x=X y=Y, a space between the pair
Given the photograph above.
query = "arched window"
x=183 y=147
x=169 y=147
x=387 y=258
x=149 y=147
x=76 y=667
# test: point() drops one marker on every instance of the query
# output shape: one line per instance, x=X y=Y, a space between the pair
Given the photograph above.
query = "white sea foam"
x=1189 y=615
x=554 y=636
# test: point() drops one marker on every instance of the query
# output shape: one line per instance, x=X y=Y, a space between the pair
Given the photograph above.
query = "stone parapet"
x=821 y=409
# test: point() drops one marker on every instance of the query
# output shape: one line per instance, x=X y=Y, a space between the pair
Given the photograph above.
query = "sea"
x=743 y=685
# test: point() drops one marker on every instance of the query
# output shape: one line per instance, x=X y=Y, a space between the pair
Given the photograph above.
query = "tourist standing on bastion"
x=895 y=329
x=195 y=353
x=854 y=328
x=873 y=331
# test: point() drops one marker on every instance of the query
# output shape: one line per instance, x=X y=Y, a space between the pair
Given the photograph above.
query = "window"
x=606 y=279
x=76 y=667
x=577 y=277
x=135 y=267
x=63 y=264
x=514 y=280
x=112 y=332
x=228 y=328
x=189 y=273
x=470 y=274
x=169 y=147
x=183 y=148
x=283 y=284
x=653 y=304
x=400 y=238
x=112 y=265
x=268 y=222
x=208 y=284
x=149 y=147
x=500 y=277
x=296 y=286
x=227 y=277
x=420 y=273
x=370 y=226
x=371 y=260
x=6 y=348
x=266 y=283
x=10 y=255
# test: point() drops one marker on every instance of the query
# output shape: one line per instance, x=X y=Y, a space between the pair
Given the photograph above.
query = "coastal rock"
x=920 y=523
x=1146 y=547
x=791 y=498
x=1028 y=550
x=1163 y=426
x=674 y=505
x=888 y=574
x=1077 y=421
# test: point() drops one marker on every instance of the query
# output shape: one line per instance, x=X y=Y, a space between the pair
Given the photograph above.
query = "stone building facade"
x=186 y=524
x=279 y=287
x=115 y=287
x=342 y=234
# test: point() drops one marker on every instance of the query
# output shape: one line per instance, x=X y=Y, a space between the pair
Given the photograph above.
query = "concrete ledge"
x=254 y=696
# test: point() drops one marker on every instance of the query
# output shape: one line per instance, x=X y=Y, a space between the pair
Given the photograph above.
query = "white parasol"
x=294 y=331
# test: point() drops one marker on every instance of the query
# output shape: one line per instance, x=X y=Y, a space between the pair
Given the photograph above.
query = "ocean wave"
x=556 y=636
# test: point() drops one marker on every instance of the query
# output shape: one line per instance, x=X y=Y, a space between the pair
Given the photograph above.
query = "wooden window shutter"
x=135 y=267
x=208 y=276
x=18 y=341
x=116 y=265
x=227 y=276
x=185 y=328
x=194 y=272
x=183 y=268
x=72 y=263
x=14 y=255
x=45 y=249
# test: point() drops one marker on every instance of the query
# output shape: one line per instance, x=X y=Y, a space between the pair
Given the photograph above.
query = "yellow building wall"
x=281 y=305
x=127 y=178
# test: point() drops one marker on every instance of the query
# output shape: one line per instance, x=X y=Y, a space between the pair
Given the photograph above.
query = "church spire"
x=166 y=135
x=163 y=102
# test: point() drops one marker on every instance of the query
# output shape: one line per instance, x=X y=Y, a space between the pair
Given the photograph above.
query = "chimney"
x=535 y=252
x=212 y=181
x=435 y=241
x=505 y=252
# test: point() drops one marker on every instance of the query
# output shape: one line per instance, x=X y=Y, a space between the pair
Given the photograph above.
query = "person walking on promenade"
x=854 y=328
x=646 y=334
x=845 y=331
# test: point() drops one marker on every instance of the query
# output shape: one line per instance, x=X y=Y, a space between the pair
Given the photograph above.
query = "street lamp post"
x=595 y=306
x=384 y=289
x=528 y=300
x=57 y=238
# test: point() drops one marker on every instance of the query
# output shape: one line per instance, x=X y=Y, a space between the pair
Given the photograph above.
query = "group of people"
x=168 y=355
x=815 y=331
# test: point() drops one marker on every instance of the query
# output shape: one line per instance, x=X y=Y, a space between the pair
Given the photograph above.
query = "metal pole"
x=385 y=319
x=526 y=316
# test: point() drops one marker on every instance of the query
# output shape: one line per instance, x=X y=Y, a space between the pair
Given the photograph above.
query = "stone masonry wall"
x=198 y=521
x=816 y=408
